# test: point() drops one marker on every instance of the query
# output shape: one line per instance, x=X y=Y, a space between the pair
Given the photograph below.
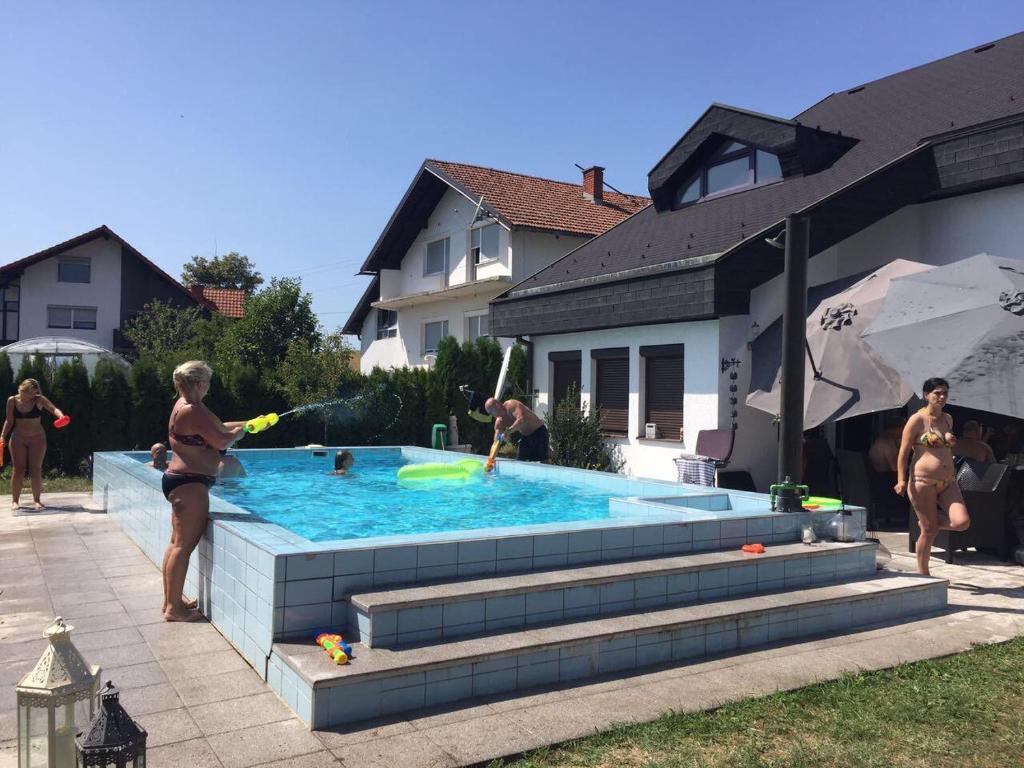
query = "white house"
x=461 y=235
x=85 y=288
x=654 y=318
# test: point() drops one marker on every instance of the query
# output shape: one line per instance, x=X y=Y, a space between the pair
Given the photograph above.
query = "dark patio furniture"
x=736 y=480
x=860 y=485
x=986 y=489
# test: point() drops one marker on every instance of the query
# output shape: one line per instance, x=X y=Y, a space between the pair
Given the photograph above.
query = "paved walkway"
x=203 y=706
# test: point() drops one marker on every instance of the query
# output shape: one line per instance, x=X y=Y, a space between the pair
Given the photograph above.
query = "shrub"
x=150 y=408
x=34 y=367
x=576 y=439
x=69 y=446
x=111 y=407
x=6 y=376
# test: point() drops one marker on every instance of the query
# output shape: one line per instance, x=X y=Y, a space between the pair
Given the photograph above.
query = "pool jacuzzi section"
x=287 y=545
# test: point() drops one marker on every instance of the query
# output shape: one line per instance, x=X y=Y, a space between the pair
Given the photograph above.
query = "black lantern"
x=113 y=739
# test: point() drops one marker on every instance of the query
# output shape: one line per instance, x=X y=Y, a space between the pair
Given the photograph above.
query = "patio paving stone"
x=194 y=753
x=264 y=743
x=204 y=706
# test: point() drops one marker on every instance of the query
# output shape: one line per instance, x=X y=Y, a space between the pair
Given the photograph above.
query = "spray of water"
x=350 y=404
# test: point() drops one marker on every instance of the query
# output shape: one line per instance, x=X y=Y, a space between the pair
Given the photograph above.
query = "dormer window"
x=732 y=167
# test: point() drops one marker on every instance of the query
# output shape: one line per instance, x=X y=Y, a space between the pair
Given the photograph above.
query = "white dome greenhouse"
x=61 y=349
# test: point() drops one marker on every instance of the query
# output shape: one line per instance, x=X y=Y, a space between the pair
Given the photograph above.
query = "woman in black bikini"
x=197 y=439
x=929 y=434
x=23 y=431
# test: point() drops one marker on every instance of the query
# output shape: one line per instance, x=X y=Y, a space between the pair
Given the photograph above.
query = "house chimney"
x=593 y=183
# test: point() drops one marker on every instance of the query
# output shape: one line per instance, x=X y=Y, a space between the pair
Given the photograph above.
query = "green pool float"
x=821 y=504
x=456 y=471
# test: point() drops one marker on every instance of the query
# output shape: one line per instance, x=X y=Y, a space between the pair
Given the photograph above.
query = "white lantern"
x=55 y=701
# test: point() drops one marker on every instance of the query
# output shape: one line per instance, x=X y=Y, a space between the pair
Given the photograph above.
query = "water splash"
x=364 y=399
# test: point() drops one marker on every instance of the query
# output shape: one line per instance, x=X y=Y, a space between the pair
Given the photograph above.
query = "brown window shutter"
x=663 y=394
x=612 y=394
x=566 y=373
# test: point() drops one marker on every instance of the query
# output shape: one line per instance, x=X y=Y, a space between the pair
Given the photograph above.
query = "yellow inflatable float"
x=457 y=471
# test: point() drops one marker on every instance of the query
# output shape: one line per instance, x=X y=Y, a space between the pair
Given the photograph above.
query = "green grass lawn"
x=52 y=483
x=966 y=710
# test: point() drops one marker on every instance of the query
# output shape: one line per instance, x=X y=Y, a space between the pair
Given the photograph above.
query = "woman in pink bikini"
x=929 y=434
x=198 y=439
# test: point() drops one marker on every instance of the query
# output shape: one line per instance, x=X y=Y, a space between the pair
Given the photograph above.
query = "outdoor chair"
x=986 y=489
x=713 y=450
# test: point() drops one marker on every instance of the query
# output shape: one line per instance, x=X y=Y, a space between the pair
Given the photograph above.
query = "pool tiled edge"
x=260 y=583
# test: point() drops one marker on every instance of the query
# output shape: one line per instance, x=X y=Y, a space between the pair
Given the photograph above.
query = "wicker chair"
x=986 y=489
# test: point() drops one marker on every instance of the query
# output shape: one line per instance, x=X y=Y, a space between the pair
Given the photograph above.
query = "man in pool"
x=533 y=442
x=158 y=456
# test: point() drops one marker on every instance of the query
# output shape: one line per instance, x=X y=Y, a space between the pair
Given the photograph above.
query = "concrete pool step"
x=385 y=681
x=431 y=613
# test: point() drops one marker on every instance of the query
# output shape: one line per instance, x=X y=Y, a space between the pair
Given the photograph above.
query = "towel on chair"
x=696 y=470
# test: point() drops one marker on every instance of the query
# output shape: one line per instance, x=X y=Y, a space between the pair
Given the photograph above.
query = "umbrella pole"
x=794 y=341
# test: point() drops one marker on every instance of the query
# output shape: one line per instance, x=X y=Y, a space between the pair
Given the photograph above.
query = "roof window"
x=732 y=167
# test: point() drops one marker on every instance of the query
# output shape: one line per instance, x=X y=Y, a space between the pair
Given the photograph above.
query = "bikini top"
x=933 y=439
x=196 y=440
x=35 y=413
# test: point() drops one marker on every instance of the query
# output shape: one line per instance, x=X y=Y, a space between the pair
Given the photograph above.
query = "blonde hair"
x=29 y=384
x=190 y=375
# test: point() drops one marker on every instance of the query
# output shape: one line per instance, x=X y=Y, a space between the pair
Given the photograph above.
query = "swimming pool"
x=369 y=502
x=289 y=545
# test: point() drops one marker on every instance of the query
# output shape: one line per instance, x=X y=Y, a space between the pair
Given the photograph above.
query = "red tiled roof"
x=536 y=203
x=230 y=302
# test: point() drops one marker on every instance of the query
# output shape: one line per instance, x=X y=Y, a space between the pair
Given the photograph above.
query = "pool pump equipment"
x=788 y=496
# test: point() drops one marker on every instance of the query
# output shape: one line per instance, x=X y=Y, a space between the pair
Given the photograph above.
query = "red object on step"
x=62 y=422
x=756 y=549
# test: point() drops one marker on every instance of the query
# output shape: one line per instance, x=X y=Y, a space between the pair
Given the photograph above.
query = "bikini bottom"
x=172 y=480
x=939 y=485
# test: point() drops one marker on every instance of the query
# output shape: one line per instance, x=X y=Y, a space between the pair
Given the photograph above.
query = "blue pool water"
x=297 y=493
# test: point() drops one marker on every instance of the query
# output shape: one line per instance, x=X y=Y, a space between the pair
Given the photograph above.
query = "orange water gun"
x=489 y=465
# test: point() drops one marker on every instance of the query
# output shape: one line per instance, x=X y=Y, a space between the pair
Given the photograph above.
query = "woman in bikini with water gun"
x=198 y=439
x=23 y=428
x=929 y=435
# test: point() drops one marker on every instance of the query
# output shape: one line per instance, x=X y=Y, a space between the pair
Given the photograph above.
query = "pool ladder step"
x=382 y=681
x=425 y=614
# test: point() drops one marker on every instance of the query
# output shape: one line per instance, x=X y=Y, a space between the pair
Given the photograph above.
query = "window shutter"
x=566 y=373
x=663 y=394
x=613 y=393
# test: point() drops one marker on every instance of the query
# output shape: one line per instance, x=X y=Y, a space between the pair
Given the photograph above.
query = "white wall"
x=39 y=288
x=536 y=250
x=648 y=458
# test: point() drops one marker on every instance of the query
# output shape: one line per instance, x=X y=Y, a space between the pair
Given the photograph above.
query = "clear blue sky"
x=288 y=131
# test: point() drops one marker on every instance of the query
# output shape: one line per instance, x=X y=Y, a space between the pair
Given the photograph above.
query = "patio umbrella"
x=844 y=377
x=963 y=322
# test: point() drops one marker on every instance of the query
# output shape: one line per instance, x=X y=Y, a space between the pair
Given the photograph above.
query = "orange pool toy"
x=754 y=549
x=62 y=422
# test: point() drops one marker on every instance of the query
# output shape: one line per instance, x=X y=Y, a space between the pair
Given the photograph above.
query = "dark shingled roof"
x=888 y=118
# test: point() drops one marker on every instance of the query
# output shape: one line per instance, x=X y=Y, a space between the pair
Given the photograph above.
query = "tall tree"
x=161 y=329
x=232 y=270
x=276 y=316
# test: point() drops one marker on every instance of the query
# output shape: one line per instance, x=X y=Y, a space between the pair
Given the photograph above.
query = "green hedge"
x=122 y=411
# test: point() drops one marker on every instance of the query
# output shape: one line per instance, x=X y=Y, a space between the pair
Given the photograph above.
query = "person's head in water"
x=496 y=408
x=158 y=453
x=343 y=461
